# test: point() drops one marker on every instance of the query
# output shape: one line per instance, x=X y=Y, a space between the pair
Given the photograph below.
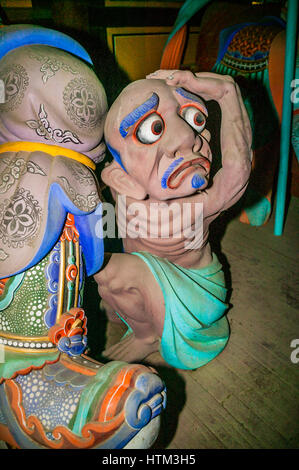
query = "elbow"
x=241 y=169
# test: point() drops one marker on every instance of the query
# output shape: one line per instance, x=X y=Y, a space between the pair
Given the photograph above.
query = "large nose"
x=179 y=138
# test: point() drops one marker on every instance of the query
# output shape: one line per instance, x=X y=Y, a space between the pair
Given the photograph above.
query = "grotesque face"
x=157 y=134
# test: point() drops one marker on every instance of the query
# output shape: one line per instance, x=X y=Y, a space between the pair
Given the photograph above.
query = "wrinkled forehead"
x=139 y=92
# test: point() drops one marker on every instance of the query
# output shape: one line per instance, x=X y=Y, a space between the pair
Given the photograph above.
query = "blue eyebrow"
x=190 y=96
x=137 y=113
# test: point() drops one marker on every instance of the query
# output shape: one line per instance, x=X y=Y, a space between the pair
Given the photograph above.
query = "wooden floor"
x=247 y=398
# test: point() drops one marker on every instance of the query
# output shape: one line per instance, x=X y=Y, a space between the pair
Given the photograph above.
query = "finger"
x=160 y=74
x=184 y=78
x=209 y=75
x=208 y=87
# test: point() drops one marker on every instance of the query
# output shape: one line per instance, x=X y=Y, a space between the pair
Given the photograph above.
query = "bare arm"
x=231 y=180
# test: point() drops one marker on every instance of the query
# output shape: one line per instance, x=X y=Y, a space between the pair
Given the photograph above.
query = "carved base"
x=79 y=403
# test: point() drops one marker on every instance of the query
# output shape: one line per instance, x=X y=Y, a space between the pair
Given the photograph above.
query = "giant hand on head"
x=157 y=136
x=210 y=86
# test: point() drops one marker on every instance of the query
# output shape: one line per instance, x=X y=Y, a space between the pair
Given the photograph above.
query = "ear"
x=115 y=177
x=206 y=134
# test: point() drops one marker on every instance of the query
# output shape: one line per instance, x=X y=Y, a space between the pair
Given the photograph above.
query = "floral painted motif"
x=16 y=81
x=43 y=129
x=82 y=174
x=86 y=203
x=3 y=255
x=51 y=65
x=19 y=219
x=82 y=103
x=16 y=168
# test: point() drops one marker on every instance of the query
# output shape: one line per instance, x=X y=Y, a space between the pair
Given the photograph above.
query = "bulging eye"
x=194 y=117
x=150 y=129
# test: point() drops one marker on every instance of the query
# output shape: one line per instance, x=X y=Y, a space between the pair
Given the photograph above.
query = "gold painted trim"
x=61 y=281
x=53 y=150
x=16 y=3
x=149 y=3
x=132 y=30
x=24 y=338
x=141 y=30
x=77 y=248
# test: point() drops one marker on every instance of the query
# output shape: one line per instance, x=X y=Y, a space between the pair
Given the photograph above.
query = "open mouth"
x=179 y=174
